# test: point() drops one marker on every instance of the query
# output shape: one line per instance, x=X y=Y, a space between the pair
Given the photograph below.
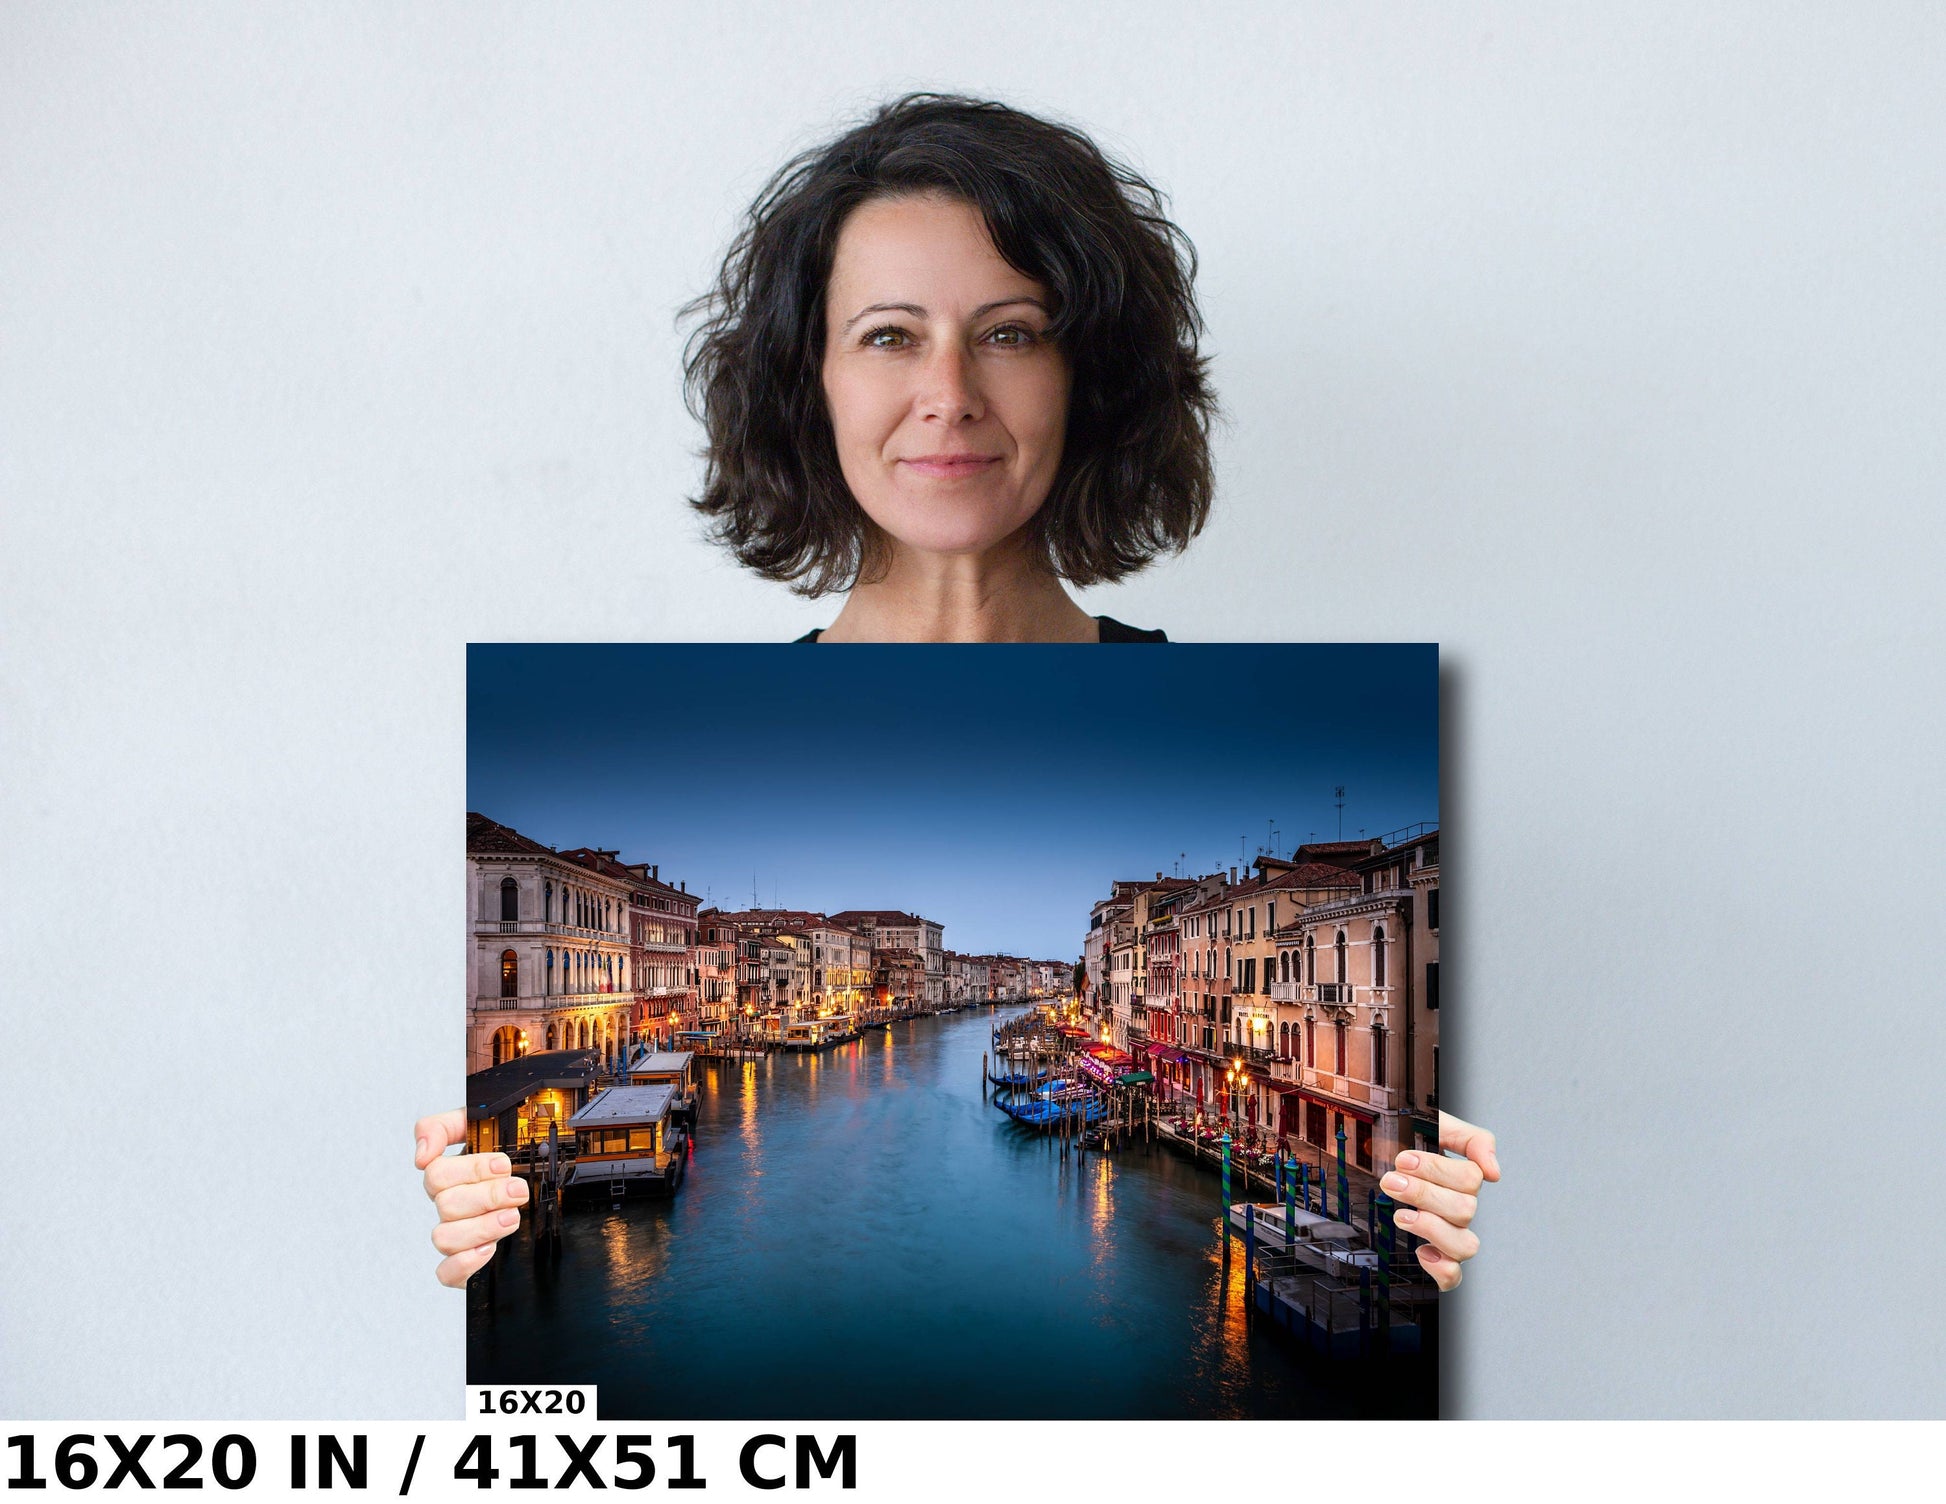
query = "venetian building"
x=662 y=936
x=900 y=978
x=1363 y=982
x=549 y=966
x=1259 y=907
x=717 y=977
x=836 y=991
x=1130 y=947
x=1164 y=947
x=1186 y=1030
x=896 y=930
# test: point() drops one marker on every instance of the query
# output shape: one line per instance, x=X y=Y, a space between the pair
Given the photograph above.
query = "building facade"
x=550 y=964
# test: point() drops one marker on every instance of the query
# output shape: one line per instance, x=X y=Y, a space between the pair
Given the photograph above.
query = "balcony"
x=1335 y=994
x=547 y=927
x=1349 y=1089
x=543 y=1002
x=1286 y=992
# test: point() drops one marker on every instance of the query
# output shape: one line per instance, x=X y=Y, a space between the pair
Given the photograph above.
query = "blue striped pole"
x=1290 y=1205
x=1344 y=1185
x=1226 y=1187
x=1387 y=1236
x=1249 y=1259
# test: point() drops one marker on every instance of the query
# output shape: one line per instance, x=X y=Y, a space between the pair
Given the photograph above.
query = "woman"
x=950 y=364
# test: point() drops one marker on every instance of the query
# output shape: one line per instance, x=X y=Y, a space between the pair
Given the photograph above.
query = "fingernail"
x=501 y=1165
x=1396 y=1184
x=1408 y=1161
x=510 y=1219
x=1494 y=1160
x=1405 y=1216
x=517 y=1190
x=422 y=1150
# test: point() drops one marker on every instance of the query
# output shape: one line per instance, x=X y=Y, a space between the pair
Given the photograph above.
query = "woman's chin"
x=956 y=537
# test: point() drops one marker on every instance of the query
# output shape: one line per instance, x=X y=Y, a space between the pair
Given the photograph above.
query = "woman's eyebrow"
x=918 y=313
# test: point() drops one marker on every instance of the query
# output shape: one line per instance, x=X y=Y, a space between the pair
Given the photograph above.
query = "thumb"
x=1475 y=1142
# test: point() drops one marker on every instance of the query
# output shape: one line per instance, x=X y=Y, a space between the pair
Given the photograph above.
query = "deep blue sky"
x=996 y=789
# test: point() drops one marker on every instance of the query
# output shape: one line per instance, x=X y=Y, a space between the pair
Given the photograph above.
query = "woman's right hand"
x=476 y=1195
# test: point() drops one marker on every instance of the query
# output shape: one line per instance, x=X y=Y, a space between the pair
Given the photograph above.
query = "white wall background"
x=1600 y=344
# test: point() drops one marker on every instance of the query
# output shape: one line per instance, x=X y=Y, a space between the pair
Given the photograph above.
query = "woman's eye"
x=886 y=338
x=1012 y=336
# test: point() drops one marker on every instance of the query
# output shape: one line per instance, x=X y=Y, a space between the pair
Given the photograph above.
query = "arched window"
x=1311 y=1041
x=547 y=902
x=509 y=899
x=1343 y=975
x=1378 y=1056
x=509 y=974
x=1344 y=1049
x=1378 y=956
x=550 y=979
x=1283 y=966
x=550 y=1036
x=1310 y=960
x=1284 y=1039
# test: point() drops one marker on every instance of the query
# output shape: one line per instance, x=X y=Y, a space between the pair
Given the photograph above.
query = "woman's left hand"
x=1440 y=1194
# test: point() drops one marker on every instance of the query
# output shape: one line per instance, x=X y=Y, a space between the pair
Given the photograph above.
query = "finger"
x=477 y=1197
x=457 y=1169
x=471 y=1232
x=1445 y=1272
x=455 y=1270
x=1443 y=1169
x=1455 y=1206
x=1456 y=1243
x=436 y=1134
x=1475 y=1142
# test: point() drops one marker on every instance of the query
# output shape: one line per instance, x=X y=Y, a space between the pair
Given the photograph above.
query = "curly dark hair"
x=1135 y=476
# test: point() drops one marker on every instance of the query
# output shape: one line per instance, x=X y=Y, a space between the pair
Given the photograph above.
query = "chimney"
x=1158 y=877
x=655 y=872
x=1233 y=877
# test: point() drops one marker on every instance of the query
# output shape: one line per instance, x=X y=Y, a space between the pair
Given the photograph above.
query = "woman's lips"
x=951 y=466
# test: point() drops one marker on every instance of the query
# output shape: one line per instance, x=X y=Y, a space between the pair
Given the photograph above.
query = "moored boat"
x=627 y=1144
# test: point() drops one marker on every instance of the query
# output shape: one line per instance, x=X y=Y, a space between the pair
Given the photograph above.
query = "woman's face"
x=947 y=401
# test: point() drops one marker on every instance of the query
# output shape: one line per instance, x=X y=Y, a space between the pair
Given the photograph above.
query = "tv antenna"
x=1338 y=792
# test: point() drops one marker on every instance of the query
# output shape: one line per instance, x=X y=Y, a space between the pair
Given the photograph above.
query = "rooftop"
x=662 y=1060
x=625 y=1104
x=491 y=838
x=492 y=1091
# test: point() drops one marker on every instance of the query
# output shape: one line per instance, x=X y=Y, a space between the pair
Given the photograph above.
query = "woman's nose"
x=950 y=387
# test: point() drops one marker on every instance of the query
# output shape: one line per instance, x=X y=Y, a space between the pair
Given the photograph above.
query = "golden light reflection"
x=633 y=1248
x=1101 y=1207
x=1230 y=1332
x=747 y=1102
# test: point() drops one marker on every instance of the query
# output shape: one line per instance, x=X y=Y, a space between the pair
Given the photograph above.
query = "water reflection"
x=862 y=1235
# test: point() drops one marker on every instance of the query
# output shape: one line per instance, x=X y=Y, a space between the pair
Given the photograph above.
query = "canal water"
x=863 y=1236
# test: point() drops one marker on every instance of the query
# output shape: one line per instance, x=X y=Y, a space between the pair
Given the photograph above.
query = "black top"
x=1111 y=631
